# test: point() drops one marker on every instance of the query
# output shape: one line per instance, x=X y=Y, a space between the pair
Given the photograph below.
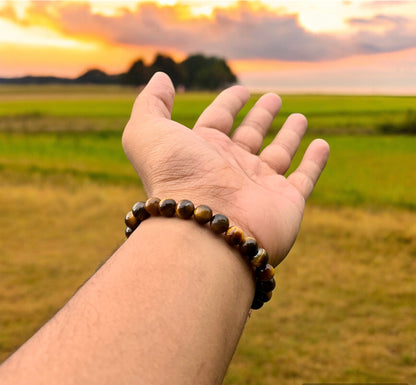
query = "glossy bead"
x=265 y=273
x=139 y=211
x=257 y=304
x=234 y=236
x=260 y=259
x=263 y=296
x=266 y=286
x=249 y=247
x=167 y=207
x=202 y=214
x=185 y=209
x=219 y=223
x=131 y=221
x=152 y=206
x=128 y=231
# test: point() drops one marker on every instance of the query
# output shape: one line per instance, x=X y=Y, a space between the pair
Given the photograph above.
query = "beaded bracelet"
x=256 y=256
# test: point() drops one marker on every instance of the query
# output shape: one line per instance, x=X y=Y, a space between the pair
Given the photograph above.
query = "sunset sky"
x=310 y=46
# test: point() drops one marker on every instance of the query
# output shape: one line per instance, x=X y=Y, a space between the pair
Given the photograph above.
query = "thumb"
x=156 y=99
x=152 y=107
x=154 y=103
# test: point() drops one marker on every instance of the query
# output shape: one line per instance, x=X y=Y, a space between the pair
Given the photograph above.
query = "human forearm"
x=168 y=307
x=170 y=304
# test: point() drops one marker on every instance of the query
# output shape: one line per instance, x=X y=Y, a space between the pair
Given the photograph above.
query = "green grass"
x=94 y=156
x=75 y=132
x=367 y=171
x=107 y=107
x=344 y=309
x=326 y=113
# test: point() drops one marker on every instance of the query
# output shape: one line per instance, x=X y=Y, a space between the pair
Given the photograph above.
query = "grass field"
x=345 y=307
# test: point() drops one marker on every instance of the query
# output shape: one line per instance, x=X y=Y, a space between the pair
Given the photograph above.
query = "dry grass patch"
x=343 y=311
x=53 y=238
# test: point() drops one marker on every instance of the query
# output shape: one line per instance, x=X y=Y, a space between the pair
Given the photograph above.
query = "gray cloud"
x=378 y=20
x=384 y=3
x=399 y=33
x=238 y=33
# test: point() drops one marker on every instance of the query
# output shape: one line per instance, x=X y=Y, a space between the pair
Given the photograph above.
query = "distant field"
x=344 y=310
x=74 y=132
x=374 y=171
x=332 y=114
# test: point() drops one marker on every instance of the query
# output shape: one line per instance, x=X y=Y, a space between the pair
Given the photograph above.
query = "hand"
x=208 y=167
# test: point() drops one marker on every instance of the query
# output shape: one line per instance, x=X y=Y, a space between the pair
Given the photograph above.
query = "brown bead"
x=257 y=304
x=185 y=209
x=265 y=273
x=219 y=223
x=131 y=221
x=266 y=286
x=128 y=231
x=152 y=206
x=202 y=214
x=167 y=207
x=234 y=236
x=139 y=211
x=249 y=247
x=263 y=296
x=260 y=259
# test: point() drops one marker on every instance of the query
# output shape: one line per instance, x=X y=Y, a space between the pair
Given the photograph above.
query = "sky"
x=340 y=46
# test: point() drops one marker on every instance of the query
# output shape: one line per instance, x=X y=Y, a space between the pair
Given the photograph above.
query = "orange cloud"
x=21 y=60
x=264 y=45
x=243 y=31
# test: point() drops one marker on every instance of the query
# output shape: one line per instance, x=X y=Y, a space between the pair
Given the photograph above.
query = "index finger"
x=220 y=114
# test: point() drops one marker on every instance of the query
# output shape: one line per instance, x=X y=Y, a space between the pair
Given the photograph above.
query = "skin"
x=206 y=166
x=170 y=305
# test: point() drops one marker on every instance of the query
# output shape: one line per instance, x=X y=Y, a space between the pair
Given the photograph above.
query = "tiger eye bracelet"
x=219 y=224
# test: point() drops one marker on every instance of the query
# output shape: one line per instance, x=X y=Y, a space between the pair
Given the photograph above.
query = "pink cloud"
x=241 y=32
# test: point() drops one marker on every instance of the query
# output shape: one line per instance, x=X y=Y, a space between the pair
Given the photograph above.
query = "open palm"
x=207 y=166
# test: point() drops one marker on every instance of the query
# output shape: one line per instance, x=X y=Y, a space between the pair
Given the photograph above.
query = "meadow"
x=345 y=308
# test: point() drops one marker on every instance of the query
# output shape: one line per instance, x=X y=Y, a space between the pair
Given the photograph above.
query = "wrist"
x=194 y=247
x=255 y=257
x=220 y=200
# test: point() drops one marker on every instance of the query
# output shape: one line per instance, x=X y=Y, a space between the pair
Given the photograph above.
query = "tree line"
x=195 y=72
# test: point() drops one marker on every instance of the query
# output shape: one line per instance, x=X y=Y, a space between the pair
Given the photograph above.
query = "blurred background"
x=345 y=308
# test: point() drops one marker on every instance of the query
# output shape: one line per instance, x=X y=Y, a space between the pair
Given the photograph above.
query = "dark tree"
x=96 y=76
x=196 y=72
x=137 y=74
x=169 y=66
x=203 y=72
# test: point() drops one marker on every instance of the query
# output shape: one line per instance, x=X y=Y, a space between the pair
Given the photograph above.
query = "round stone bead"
x=167 y=207
x=131 y=221
x=249 y=248
x=265 y=273
x=234 y=236
x=185 y=209
x=139 y=211
x=266 y=286
x=152 y=206
x=219 y=223
x=263 y=296
x=260 y=259
x=257 y=303
x=202 y=214
x=128 y=231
